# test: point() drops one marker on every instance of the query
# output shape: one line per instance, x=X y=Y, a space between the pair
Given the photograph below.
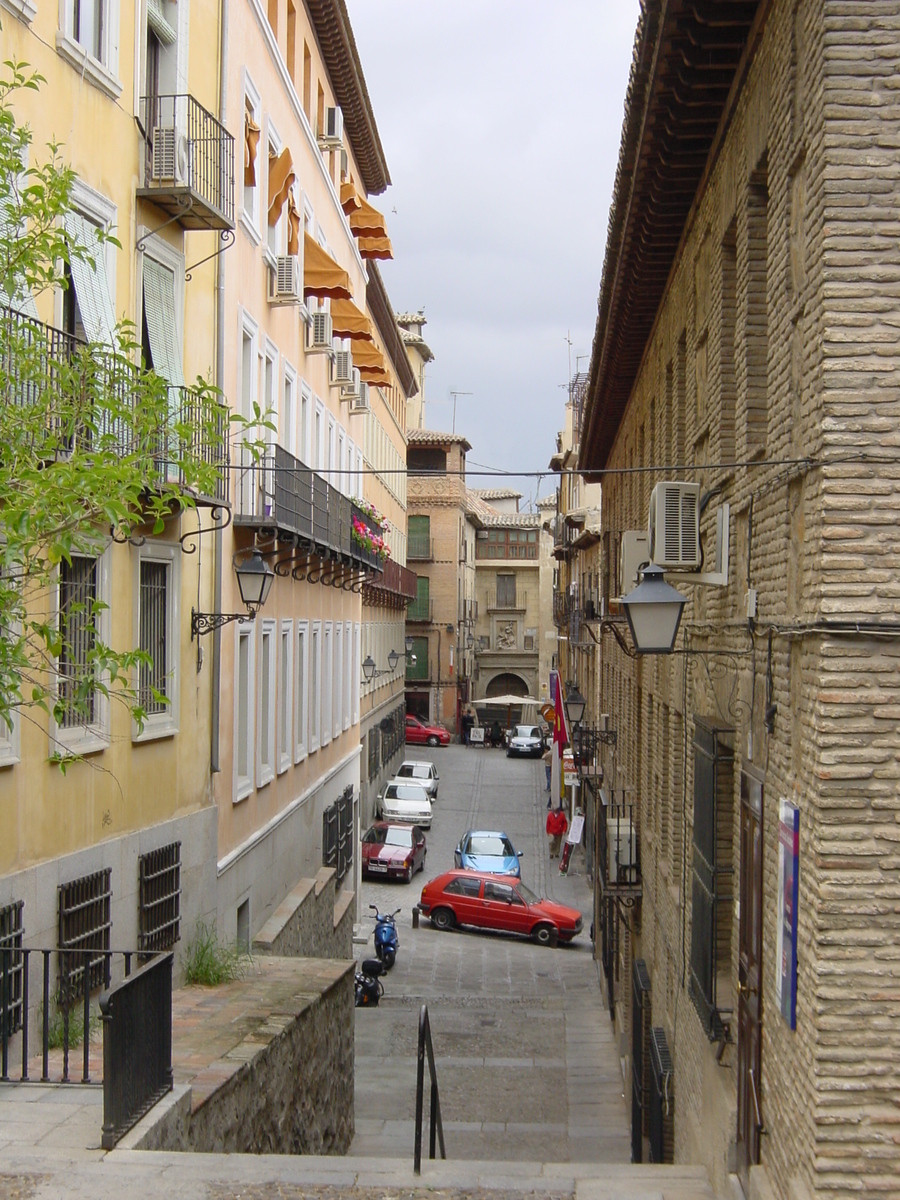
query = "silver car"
x=405 y=802
x=526 y=739
x=424 y=773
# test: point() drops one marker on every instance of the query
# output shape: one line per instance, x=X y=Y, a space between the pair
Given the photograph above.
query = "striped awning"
x=350 y=322
x=321 y=274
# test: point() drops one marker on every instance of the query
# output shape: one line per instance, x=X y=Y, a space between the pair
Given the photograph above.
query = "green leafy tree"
x=91 y=447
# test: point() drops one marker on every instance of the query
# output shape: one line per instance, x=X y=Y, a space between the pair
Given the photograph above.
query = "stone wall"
x=310 y=922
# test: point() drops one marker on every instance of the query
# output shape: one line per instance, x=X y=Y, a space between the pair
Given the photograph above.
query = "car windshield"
x=413 y=771
x=527 y=894
x=527 y=731
x=404 y=791
x=399 y=837
x=481 y=844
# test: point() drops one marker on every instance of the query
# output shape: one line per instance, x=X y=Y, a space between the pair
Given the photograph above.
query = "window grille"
x=77 y=596
x=159 y=901
x=152 y=691
x=640 y=1058
x=85 y=920
x=11 y=929
x=661 y=1126
x=373 y=753
x=337 y=834
x=712 y=894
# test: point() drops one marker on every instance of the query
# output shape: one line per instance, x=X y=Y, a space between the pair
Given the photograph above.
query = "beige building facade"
x=747 y=922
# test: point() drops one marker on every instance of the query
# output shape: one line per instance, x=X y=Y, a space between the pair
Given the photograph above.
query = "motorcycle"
x=387 y=940
x=369 y=988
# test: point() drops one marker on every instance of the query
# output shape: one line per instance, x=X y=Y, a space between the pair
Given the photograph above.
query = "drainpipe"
x=220 y=383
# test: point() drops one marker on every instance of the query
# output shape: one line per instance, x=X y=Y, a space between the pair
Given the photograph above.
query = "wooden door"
x=749 y=1114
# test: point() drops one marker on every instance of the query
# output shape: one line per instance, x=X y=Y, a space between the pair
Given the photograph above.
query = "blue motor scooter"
x=387 y=940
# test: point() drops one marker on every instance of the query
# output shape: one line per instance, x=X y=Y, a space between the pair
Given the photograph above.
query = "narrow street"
x=527 y=1063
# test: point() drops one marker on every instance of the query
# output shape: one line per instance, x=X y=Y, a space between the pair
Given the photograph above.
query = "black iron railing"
x=337 y=834
x=419 y=548
x=64 y=1028
x=436 y=1127
x=189 y=166
x=421 y=610
x=619 y=864
x=137 y=1046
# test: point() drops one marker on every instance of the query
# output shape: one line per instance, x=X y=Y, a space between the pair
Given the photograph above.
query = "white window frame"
x=289 y=393
x=244 y=784
x=266 y=693
x=249 y=217
x=305 y=424
x=348 y=676
x=170 y=258
x=356 y=675
x=93 y=738
x=274 y=242
x=301 y=691
x=104 y=213
x=315 y=688
x=319 y=437
x=330 y=444
x=284 y=724
x=164 y=724
x=337 y=689
x=101 y=72
x=25 y=11
x=248 y=327
x=327 y=681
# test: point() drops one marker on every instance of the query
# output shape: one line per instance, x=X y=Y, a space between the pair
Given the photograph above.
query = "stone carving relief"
x=506 y=636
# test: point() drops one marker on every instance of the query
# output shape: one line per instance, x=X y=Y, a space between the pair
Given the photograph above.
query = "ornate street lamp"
x=254 y=583
x=654 y=611
x=575 y=705
x=369 y=670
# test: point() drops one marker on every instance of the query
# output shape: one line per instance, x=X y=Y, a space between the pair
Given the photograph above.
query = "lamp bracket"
x=226 y=237
x=208 y=622
x=220 y=516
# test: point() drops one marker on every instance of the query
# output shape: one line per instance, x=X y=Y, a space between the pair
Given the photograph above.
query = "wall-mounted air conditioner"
x=342 y=369
x=170 y=159
x=360 y=403
x=286 y=281
x=318 y=335
x=674 y=526
x=332 y=132
x=634 y=553
x=482 y=535
x=622 y=850
x=350 y=390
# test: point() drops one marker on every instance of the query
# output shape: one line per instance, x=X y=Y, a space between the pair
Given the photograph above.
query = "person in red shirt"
x=557 y=824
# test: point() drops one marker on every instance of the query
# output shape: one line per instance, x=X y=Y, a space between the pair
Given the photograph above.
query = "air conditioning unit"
x=331 y=135
x=286 y=281
x=622 y=850
x=351 y=390
x=674 y=525
x=360 y=403
x=345 y=164
x=319 y=336
x=634 y=552
x=482 y=535
x=342 y=369
x=170 y=160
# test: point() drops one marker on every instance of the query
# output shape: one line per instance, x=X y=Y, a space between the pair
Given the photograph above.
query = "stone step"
x=280 y=1177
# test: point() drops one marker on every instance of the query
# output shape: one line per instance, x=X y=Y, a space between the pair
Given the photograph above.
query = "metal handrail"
x=436 y=1125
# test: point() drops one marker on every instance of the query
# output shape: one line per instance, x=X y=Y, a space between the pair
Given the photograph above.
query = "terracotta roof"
x=482 y=514
x=416 y=339
x=687 y=56
x=411 y=318
x=380 y=307
x=548 y=501
x=430 y=437
x=332 y=25
x=496 y=493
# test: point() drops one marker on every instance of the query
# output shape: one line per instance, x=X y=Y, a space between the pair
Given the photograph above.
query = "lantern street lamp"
x=254 y=583
x=654 y=611
x=575 y=705
x=369 y=669
x=409 y=645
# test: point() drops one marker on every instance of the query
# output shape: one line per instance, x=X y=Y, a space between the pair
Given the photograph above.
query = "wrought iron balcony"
x=278 y=490
x=562 y=609
x=517 y=602
x=619 y=866
x=420 y=611
x=395 y=587
x=419 y=549
x=68 y=378
x=189 y=162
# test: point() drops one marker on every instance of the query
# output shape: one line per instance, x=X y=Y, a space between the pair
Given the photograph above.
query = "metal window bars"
x=77 y=595
x=337 y=834
x=85 y=921
x=159 y=900
x=11 y=930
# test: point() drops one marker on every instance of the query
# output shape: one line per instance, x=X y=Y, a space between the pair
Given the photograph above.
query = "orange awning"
x=349 y=321
x=375 y=247
x=321 y=274
x=281 y=178
x=251 y=141
x=350 y=200
x=295 y=224
x=375 y=375
x=367 y=354
x=367 y=221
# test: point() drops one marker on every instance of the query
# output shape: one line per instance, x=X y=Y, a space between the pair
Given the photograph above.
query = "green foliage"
x=209 y=962
x=56 y=1026
x=92 y=447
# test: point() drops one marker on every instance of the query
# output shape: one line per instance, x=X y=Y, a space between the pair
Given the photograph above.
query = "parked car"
x=418 y=733
x=405 y=802
x=488 y=902
x=393 y=851
x=526 y=739
x=487 y=850
x=424 y=773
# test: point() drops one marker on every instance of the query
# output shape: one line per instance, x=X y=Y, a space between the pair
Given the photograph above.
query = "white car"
x=408 y=802
x=526 y=739
x=424 y=773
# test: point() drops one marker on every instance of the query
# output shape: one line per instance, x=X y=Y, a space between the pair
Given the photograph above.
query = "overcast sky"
x=500 y=121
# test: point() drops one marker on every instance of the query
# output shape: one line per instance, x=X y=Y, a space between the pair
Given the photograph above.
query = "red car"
x=420 y=734
x=393 y=851
x=494 y=902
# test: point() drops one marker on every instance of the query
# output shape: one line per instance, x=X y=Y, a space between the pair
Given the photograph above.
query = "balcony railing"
x=397 y=585
x=515 y=602
x=619 y=860
x=91 y=398
x=419 y=548
x=278 y=489
x=189 y=162
x=562 y=608
x=420 y=610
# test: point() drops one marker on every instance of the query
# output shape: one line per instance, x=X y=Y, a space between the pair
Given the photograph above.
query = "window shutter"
x=159 y=313
x=91 y=282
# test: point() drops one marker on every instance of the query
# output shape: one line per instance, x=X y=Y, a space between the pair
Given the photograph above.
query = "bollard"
x=415 y=916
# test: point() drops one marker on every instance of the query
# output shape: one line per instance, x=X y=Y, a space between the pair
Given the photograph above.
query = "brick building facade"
x=746 y=342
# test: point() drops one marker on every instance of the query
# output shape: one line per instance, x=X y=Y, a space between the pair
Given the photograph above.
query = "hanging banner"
x=788 y=900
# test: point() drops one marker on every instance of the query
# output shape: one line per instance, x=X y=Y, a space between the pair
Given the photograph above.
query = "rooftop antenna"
x=454 y=395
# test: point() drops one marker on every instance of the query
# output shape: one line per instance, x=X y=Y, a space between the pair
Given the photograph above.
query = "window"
x=501 y=892
x=285 y=694
x=301 y=683
x=508 y=543
x=307 y=81
x=417 y=662
x=11 y=931
x=89 y=40
x=85 y=919
x=338 y=680
x=156 y=590
x=163 y=304
x=82 y=712
x=356 y=669
x=756 y=329
x=252 y=165
x=319 y=439
x=292 y=44
x=303 y=450
x=506 y=591
x=289 y=412
x=266 y=703
x=88 y=306
x=243 y=712
x=348 y=686
x=315 y=687
x=420 y=608
x=419 y=544
x=463 y=887
x=159 y=900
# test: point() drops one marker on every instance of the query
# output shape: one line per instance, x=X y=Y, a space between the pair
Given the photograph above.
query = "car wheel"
x=410 y=871
x=443 y=918
x=544 y=935
x=434 y=741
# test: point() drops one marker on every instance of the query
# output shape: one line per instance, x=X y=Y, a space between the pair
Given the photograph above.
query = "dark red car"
x=495 y=902
x=393 y=851
x=420 y=734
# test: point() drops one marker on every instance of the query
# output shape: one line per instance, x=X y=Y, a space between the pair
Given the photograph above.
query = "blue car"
x=487 y=850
